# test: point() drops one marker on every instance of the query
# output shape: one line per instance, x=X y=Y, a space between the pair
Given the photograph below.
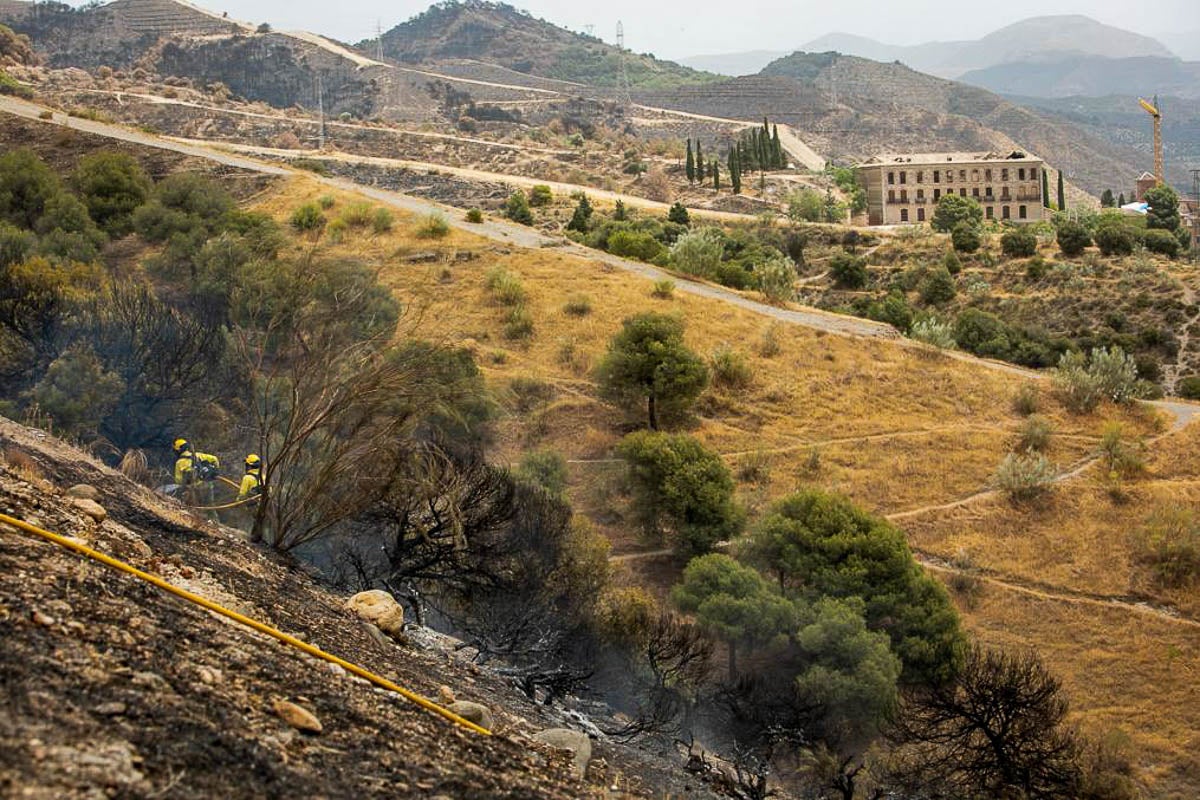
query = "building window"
x=937 y=176
x=1022 y=213
x=949 y=176
x=1021 y=174
x=962 y=192
x=903 y=194
x=975 y=175
x=920 y=195
x=991 y=213
x=1033 y=173
x=975 y=192
x=904 y=215
x=903 y=177
x=891 y=195
x=1005 y=212
x=937 y=194
x=987 y=175
x=920 y=215
x=988 y=192
x=891 y=178
x=920 y=176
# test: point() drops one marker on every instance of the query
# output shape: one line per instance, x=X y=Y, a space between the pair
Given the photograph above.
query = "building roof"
x=1147 y=176
x=943 y=158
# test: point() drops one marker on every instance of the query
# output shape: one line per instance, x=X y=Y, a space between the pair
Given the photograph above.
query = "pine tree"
x=583 y=213
x=716 y=175
x=1106 y=199
x=777 y=148
x=1121 y=200
x=1045 y=190
x=1062 y=195
x=691 y=163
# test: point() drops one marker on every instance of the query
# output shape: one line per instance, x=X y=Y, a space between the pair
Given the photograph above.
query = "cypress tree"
x=735 y=180
x=1045 y=190
x=699 y=162
x=1121 y=200
x=691 y=164
x=716 y=173
x=1106 y=199
x=1062 y=195
x=777 y=147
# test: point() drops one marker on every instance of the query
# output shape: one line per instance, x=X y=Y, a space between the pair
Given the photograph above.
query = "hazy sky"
x=678 y=28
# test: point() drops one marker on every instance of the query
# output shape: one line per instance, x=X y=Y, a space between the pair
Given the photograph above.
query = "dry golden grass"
x=893 y=428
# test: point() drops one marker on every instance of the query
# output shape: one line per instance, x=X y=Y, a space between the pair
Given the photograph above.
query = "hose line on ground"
x=203 y=602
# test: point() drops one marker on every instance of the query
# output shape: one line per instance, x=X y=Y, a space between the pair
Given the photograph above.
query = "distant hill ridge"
x=1036 y=38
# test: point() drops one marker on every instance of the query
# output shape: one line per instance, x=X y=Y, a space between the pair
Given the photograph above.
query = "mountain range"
x=1048 y=38
x=845 y=107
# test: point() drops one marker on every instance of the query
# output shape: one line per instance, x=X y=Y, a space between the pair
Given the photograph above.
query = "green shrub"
x=433 y=226
x=777 y=279
x=1189 y=387
x=1034 y=434
x=516 y=208
x=1083 y=383
x=769 y=345
x=982 y=333
x=474 y=215
x=678 y=214
x=1161 y=241
x=1115 y=239
x=308 y=217
x=1169 y=544
x=382 y=221
x=847 y=271
x=357 y=215
x=729 y=368
x=336 y=231
x=634 y=244
x=1018 y=243
x=1028 y=399
x=112 y=186
x=10 y=86
x=952 y=209
x=311 y=165
x=540 y=195
x=578 y=305
x=698 y=252
x=933 y=332
x=518 y=323
x=938 y=287
x=1036 y=269
x=1024 y=476
x=1121 y=458
x=326 y=201
x=952 y=263
x=663 y=289
x=965 y=237
x=1073 y=238
x=544 y=468
x=505 y=286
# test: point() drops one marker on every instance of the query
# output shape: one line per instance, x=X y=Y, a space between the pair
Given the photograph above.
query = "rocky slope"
x=109 y=686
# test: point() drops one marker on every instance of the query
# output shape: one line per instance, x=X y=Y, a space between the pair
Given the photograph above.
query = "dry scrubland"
x=897 y=428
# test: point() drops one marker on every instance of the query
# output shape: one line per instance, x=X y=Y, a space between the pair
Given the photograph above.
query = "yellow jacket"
x=251 y=484
x=185 y=466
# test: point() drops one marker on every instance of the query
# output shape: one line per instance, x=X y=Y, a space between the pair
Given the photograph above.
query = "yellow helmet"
x=181 y=445
x=253 y=461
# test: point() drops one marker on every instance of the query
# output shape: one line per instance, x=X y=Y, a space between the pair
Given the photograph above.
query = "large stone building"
x=905 y=189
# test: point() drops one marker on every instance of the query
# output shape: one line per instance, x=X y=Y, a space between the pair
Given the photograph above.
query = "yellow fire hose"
x=354 y=669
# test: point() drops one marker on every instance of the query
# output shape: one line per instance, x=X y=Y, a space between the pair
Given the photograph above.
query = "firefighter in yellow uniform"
x=252 y=482
x=194 y=471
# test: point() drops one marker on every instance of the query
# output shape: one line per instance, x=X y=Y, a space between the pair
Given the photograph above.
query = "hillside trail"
x=1182 y=413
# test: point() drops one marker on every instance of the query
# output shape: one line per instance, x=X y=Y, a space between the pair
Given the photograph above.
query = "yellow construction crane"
x=1152 y=110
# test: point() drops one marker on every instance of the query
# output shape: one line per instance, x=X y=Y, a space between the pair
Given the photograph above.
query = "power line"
x=623 y=87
